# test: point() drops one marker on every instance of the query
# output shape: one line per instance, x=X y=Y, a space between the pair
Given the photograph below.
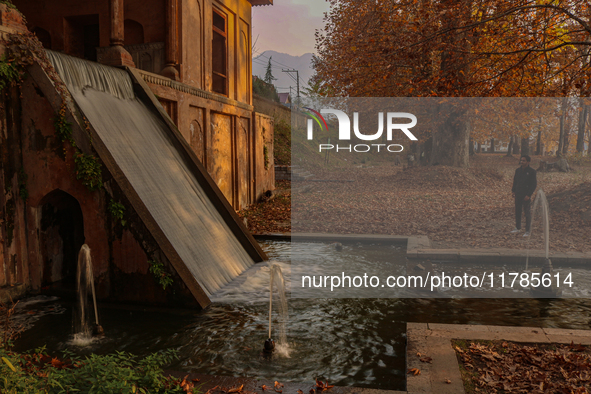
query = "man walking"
x=524 y=185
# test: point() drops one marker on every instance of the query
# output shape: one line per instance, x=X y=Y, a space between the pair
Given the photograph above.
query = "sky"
x=287 y=26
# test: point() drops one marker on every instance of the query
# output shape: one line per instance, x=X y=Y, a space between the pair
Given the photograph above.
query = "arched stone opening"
x=133 y=32
x=43 y=36
x=61 y=236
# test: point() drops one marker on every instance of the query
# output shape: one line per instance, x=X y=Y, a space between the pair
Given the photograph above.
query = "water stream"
x=85 y=321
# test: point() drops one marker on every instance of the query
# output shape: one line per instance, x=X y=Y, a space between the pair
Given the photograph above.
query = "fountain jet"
x=85 y=286
x=277 y=281
x=542 y=291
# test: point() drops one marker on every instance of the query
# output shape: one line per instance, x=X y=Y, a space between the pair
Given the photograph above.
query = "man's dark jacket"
x=524 y=181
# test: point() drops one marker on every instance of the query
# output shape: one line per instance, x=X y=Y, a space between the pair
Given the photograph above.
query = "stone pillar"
x=172 y=58
x=116 y=55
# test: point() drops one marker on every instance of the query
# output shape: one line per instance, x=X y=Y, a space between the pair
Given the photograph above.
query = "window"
x=220 y=53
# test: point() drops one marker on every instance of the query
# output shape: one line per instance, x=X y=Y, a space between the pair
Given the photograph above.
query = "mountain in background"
x=284 y=61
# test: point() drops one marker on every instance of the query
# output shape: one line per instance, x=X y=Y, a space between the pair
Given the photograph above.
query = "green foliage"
x=161 y=276
x=88 y=170
x=8 y=72
x=116 y=209
x=265 y=90
x=8 y=3
x=282 y=143
x=63 y=128
x=22 y=184
x=119 y=372
x=88 y=167
x=269 y=78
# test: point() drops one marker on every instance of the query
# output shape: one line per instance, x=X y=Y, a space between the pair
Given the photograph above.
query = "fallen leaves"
x=186 y=385
x=526 y=368
x=322 y=386
x=278 y=387
x=414 y=371
x=455 y=207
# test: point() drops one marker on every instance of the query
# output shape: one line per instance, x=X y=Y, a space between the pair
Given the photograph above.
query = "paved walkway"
x=434 y=340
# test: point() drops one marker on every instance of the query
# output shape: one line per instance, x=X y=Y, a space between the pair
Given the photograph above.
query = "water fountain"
x=542 y=203
x=351 y=342
x=84 y=328
x=277 y=279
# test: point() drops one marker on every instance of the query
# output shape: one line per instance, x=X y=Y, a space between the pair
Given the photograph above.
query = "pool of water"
x=354 y=342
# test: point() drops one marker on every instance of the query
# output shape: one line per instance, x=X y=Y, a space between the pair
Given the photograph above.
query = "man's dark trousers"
x=526 y=206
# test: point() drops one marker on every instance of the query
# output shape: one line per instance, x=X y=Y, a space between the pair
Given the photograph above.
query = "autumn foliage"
x=474 y=48
x=507 y=367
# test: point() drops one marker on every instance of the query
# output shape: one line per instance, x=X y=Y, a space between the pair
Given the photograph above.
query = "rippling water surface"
x=357 y=342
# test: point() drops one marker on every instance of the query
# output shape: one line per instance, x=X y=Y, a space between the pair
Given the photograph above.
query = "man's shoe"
x=515 y=230
x=526 y=234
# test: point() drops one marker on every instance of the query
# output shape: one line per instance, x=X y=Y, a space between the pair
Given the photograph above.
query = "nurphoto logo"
x=345 y=130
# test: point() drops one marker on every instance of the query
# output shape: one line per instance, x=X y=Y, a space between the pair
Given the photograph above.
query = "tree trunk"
x=525 y=146
x=510 y=148
x=516 y=147
x=559 y=152
x=492 y=145
x=539 y=143
x=582 y=123
x=471 y=147
x=567 y=128
x=478 y=148
x=450 y=140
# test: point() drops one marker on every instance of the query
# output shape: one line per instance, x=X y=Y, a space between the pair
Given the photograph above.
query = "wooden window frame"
x=224 y=35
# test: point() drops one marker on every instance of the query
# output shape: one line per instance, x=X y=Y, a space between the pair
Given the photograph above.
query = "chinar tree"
x=456 y=48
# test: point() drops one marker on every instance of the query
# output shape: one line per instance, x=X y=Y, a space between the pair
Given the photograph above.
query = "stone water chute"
x=179 y=203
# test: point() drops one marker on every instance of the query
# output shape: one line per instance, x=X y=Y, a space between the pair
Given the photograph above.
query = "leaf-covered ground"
x=507 y=367
x=455 y=207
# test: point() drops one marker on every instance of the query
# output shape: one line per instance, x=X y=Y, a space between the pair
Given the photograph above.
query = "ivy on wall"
x=161 y=276
x=88 y=167
x=116 y=209
x=9 y=72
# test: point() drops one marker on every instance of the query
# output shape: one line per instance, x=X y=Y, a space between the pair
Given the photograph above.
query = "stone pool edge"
x=253 y=386
x=419 y=248
x=434 y=340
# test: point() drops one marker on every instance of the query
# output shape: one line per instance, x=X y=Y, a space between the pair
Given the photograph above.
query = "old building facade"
x=194 y=55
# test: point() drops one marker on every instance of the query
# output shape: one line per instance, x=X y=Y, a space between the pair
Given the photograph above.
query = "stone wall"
x=47 y=213
x=224 y=135
x=278 y=111
x=283 y=173
x=264 y=168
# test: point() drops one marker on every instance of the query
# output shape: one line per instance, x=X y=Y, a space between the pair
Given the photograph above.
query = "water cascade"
x=277 y=281
x=84 y=328
x=140 y=143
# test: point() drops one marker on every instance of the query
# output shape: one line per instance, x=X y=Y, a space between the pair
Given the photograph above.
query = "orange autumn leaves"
x=525 y=368
x=485 y=48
